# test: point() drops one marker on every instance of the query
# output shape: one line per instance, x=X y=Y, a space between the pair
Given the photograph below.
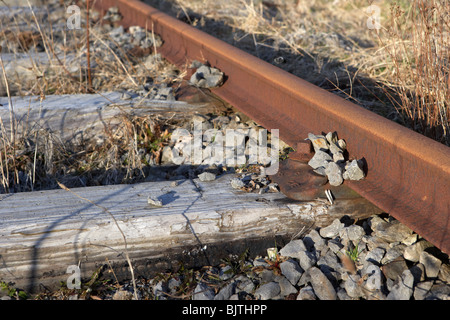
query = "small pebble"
x=207 y=176
x=154 y=201
x=237 y=183
x=207 y=77
x=329 y=160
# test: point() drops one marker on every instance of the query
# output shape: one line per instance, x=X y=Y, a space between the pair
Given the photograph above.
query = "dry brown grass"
x=35 y=160
x=39 y=159
x=399 y=72
x=417 y=42
x=62 y=66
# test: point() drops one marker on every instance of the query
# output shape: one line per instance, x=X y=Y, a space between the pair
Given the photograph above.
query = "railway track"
x=408 y=175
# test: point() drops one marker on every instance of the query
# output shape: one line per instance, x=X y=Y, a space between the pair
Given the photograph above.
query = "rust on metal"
x=298 y=181
x=408 y=174
x=303 y=151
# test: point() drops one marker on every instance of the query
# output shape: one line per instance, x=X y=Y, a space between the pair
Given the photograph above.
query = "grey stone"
x=117 y=32
x=122 y=295
x=373 y=242
x=362 y=251
x=225 y=273
x=125 y=96
x=237 y=183
x=293 y=248
x=173 y=284
x=306 y=259
x=334 y=174
x=159 y=289
x=354 y=171
x=352 y=287
x=113 y=15
x=221 y=120
x=412 y=252
x=201 y=123
x=226 y=292
x=207 y=77
x=196 y=64
x=418 y=272
x=306 y=293
x=244 y=284
x=203 y=292
x=393 y=253
x=389 y=284
x=376 y=223
x=352 y=233
x=286 y=288
x=154 y=201
x=320 y=170
x=328 y=257
x=162 y=93
x=421 y=289
x=377 y=295
x=267 y=276
x=403 y=289
x=291 y=270
x=332 y=230
x=395 y=268
x=439 y=291
x=268 y=291
x=394 y=232
x=320 y=159
x=375 y=255
x=207 y=176
x=167 y=155
x=260 y=262
x=342 y=294
x=335 y=245
x=444 y=273
x=330 y=262
x=410 y=239
x=323 y=288
x=304 y=279
x=214 y=80
x=313 y=240
x=273 y=187
x=319 y=142
x=331 y=138
x=335 y=147
x=374 y=279
x=431 y=264
x=338 y=156
x=335 y=277
x=138 y=34
x=342 y=144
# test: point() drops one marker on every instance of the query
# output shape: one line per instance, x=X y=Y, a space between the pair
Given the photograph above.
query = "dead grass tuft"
x=417 y=41
x=39 y=159
x=51 y=59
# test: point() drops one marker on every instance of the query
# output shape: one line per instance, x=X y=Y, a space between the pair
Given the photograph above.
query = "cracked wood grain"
x=44 y=232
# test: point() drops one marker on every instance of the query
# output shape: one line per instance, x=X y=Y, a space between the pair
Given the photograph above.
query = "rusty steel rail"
x=408 y=174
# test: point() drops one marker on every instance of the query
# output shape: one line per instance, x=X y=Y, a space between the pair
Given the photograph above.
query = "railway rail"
x=408 y=175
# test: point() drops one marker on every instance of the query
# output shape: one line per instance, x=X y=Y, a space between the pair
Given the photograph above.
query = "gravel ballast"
x=375 y=259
